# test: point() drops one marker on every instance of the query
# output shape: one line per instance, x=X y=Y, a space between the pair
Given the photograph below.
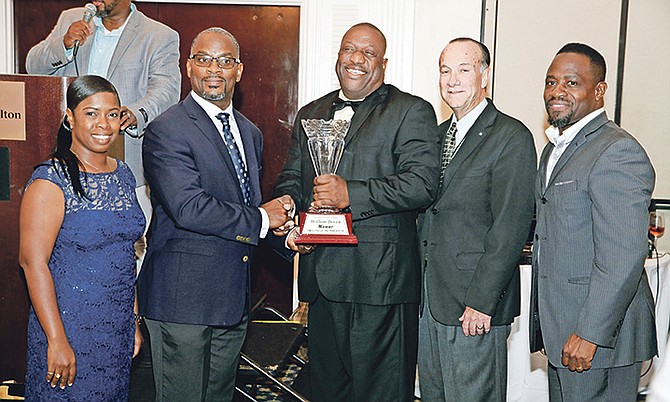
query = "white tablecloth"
x=527 y=373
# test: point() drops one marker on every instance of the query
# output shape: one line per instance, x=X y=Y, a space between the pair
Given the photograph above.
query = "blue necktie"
x=236 y=157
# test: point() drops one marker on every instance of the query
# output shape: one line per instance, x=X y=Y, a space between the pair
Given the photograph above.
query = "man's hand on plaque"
x=283 y=229
x=300 y=248
x=330 y=191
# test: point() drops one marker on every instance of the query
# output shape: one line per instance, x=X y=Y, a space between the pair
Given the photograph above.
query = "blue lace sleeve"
x=47 y=171
x=52 y=172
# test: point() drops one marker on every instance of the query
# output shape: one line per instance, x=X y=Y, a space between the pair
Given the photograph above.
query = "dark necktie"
x=339 y=104
x=448 y=149
x=236 y=157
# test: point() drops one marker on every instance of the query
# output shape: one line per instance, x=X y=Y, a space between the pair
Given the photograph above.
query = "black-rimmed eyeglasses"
x=204 y=60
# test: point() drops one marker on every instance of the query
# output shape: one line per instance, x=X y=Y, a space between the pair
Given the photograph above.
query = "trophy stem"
x=324 y=210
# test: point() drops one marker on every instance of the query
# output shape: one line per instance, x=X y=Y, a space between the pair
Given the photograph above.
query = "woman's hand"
x=139 y=339
x=61 y=364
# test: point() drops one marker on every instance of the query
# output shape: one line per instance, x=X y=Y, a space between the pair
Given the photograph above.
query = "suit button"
x=434 y=211
x=245 y=258
x=425 y=243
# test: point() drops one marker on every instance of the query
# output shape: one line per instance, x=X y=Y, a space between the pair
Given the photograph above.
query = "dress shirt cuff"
x=288 y=235
x=69 y=53
x=265 y=224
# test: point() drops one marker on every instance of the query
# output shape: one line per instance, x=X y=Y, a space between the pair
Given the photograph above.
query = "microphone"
x=89 y=11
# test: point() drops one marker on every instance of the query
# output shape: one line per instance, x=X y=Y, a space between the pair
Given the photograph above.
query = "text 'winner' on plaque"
x=325 y=225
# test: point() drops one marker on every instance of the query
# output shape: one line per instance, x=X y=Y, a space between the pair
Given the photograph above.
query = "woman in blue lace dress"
x=79 y=220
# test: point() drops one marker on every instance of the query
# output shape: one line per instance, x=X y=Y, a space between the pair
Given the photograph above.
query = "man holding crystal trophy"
x=360 y=269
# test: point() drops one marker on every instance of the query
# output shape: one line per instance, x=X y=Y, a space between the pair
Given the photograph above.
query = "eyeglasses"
x=204 y=60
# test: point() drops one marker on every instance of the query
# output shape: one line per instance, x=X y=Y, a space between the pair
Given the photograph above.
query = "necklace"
x=86 y=163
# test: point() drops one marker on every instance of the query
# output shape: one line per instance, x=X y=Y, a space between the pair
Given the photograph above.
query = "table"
x=527 y=373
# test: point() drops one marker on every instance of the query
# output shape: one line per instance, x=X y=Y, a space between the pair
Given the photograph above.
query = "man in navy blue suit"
x=202 y=159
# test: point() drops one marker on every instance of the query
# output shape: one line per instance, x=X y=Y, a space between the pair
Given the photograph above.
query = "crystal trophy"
x=325 y=225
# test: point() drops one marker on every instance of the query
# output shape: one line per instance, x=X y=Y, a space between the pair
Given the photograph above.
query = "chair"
x=269 y=346
x=10 y=390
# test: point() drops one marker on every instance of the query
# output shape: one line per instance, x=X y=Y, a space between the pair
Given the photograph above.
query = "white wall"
x=646 y=88
x=525 y=50
x=436 y=22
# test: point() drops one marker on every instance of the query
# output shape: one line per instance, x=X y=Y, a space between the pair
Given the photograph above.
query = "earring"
x=66 y=124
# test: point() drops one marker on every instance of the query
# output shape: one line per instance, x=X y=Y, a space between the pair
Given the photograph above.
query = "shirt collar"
x=211 y=109
x=463 y=125
x=344 y=98
x=555 y=137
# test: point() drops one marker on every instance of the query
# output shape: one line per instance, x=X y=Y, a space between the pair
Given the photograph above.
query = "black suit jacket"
x=472 y=236
x=202 y=237
x=390 y=163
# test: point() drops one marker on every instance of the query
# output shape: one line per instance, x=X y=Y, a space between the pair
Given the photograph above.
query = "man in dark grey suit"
x=593 y=189
x=203 y=162
x=471 y=238
x=363 y=308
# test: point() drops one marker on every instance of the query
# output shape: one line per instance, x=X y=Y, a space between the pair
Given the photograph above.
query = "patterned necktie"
x=236 y=157
x=448 y=149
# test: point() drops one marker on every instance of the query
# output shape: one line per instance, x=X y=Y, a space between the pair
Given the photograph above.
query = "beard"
x=209 y=95
x=214 y=97
x=559 y=121
x=107 y=9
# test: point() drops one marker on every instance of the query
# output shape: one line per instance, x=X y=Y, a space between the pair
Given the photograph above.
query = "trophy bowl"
x=325 y=139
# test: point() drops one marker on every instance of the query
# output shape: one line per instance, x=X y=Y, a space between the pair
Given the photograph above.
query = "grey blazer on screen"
x=144 y=69
x=590 y=247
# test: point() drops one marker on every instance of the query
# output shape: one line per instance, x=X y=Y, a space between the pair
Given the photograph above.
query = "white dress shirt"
x=465 y=124
x=562 y=140
x=347 y=112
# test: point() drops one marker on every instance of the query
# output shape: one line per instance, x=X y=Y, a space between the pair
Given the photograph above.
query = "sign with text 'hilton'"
x=12 y=111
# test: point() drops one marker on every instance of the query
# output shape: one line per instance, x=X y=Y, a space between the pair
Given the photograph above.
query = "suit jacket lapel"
x=363 y=112
x=578 y=141
x=128 y=35
x=211 y=133
x=250 y=155
x=542 y=170
x=477 y=133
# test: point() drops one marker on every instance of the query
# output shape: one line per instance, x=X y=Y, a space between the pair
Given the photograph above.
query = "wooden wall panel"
x=45 y=108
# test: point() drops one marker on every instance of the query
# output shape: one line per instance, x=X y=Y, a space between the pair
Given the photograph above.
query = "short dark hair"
x=486 y=55
x=598 y=66
x=218 y=30
x=371 y=26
